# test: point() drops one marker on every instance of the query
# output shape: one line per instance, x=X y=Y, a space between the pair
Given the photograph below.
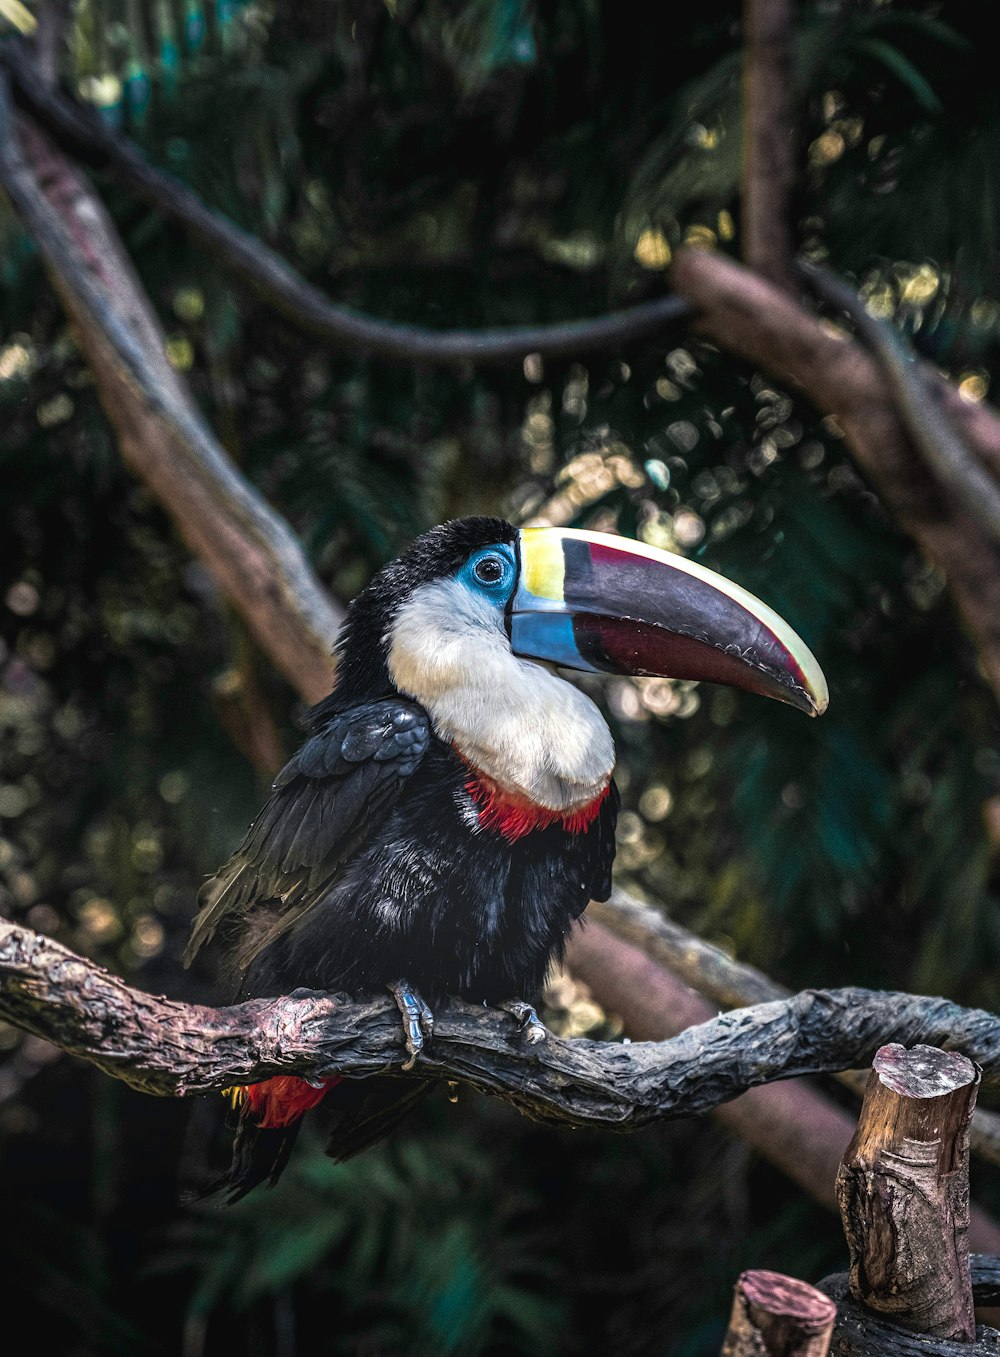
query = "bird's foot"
x=418 y=1020
x=530 y=1025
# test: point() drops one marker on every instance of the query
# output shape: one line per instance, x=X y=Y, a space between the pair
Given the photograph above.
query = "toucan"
x=452 y=809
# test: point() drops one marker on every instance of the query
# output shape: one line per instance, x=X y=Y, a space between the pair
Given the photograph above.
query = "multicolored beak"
x=589 y=600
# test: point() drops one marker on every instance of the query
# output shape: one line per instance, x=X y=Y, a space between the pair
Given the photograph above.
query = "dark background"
x=482 y=163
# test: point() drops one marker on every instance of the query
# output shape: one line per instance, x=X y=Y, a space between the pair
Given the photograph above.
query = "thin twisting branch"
x=706 y=968
x=50 y=38
x=920 y=409
x=768 y=141
x=247 y=258
x=163 y=1047
x=741 y=312
x=719 y=977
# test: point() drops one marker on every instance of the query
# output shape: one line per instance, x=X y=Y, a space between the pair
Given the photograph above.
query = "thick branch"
x=173 y=1049
x=768 y=142
x=249 y=548
x=745 y=315
x=247 y=258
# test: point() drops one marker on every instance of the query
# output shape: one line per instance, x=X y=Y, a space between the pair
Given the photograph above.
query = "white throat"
x=528 y=730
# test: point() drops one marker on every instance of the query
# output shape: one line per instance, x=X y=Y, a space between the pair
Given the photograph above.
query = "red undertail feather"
x=513 y=816
x=280 y=1101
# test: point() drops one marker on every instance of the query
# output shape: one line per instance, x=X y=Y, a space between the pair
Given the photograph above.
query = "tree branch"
x=768 y=142
x=719 y=977
x=704 y=967
x=172 y=1049
x=249 y=548
x=792 y=1124
x=260 y=268
x=930 y=428
x=746 y=315
x=50 y=38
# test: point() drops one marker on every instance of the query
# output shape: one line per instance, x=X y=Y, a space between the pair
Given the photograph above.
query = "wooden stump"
x=903 y=1188
x=778 y=1316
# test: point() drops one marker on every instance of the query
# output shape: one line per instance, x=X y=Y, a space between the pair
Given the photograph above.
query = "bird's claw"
x=418 y=1020
x=532 y=1029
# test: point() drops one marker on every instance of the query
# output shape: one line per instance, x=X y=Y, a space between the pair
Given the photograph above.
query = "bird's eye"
x=489 y=570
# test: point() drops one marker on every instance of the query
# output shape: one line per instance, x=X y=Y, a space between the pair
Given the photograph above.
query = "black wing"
x=323 y=804
x=599 y=848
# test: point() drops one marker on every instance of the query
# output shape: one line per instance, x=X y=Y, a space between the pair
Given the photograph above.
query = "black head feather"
x=361 y=650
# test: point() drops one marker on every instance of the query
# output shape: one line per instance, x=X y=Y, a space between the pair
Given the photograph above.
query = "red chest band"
x=514 y=816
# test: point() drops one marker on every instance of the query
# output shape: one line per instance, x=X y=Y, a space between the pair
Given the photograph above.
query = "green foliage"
x=415 y=1224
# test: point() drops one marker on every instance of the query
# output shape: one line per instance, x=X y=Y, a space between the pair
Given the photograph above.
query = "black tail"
x=259 y=1154
x=366 y=1110
x=360 y=1112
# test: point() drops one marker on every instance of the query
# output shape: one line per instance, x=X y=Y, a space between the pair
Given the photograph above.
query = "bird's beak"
x=588 y=600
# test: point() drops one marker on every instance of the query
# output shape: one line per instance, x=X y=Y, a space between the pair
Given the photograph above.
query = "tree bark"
x=168 y=1048
x=768 y=142
x=904 y=1191
x=778 y=1316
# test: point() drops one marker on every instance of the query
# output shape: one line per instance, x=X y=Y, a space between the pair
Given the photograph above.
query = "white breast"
x=522 y=725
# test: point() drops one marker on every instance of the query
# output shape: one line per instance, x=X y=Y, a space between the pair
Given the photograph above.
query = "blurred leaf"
x=904 y=71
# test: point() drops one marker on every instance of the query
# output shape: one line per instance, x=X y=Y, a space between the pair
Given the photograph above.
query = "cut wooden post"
x=778 y=1316
x=903 y=1189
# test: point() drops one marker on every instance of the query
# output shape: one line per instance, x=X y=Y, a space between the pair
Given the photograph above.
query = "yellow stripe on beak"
x=543 y=563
